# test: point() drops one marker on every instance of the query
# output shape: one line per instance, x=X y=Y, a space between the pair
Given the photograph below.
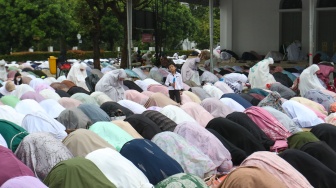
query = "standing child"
x=174 y=83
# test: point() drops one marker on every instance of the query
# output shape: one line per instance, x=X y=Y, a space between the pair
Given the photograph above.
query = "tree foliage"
x=202 y=35
x=178 y=24
x=101 y=23
x=25 y=22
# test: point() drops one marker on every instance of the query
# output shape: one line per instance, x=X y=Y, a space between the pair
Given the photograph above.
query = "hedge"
x=71 y=54
x=43 y=56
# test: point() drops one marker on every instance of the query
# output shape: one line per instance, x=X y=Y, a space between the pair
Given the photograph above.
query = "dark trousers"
x=175 y=95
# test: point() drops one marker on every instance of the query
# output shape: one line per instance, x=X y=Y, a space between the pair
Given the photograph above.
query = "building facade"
x=270 y=25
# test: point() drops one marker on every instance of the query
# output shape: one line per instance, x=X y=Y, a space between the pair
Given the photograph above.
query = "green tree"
x=26 y=21
x=202 y=36
x=178 y=24
x=112 y=33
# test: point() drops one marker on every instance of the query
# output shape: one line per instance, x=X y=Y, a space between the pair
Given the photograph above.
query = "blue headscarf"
x=94 y=113
x=238 y=99
x=151 y=160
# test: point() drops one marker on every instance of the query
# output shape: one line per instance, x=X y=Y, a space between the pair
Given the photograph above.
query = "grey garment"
x=111 y=85
x=320 y=97
x=74 y=118
x=285 y=120
x=97 y=72
x=284 y=91
x=191 y=83
x=41 y=152
x=94 y=113
x=200 y=92
x=164 y=123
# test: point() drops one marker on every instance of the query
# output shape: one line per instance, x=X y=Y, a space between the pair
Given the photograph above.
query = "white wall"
x=255 y=26
x=226 y=24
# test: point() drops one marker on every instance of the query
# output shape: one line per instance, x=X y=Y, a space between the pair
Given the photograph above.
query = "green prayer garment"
x=77 y=173
x=297 y=140
x=182 y=180
x=12 y=133
x=10 y=100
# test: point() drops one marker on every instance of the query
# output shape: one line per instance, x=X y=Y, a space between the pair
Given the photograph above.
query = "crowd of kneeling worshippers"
x=259 y=126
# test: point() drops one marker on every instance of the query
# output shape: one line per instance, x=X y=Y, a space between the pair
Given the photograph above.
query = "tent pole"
x=129 y=33
x=311 y=30
x=211 y=34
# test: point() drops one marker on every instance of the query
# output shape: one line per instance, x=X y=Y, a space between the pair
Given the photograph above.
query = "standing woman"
x=17 y=79
x=112 y=84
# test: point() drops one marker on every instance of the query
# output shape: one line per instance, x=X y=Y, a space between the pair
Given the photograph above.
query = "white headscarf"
x=77 y=76
x=176 y=114
x=9 y=113
x=41 y=122
x=27 y=106
x=259 y=74
x=223 y=87
x=22 y=89
x=50 y=94
x=309 y=80
x=3 y=142
x=50 y=80
x=143 y=84
x=52 y=107
x=119 y=170
x=300 y=114
x=61 y=78
x=35 y=82
x=236 y=79
x=208 y=76
x=235 y=106
x=133 y=106
x=213 y=91
x=141 y=74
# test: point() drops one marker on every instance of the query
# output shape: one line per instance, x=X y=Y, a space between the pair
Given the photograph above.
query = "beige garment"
x=26 y=80
x=192 y=96
x=127 y=127
x=312 y=104
x=160 y=100
x=82 y=142
x=251 y=177
x=67 y=102
x=10 y=86
x=191 y=83
x=147 y=93
x=100 y=97
x=136 y=96
x=331 y=119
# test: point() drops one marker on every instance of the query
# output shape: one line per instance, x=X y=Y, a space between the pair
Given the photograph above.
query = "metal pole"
x=211 y=34
x=129 y=33
x=311 y=30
